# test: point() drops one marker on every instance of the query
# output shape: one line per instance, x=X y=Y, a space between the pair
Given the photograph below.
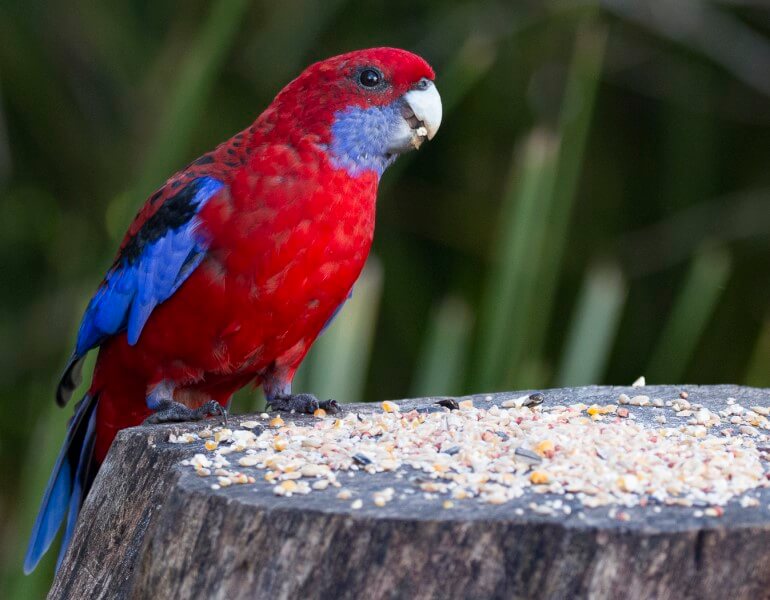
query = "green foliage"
x=552 y=234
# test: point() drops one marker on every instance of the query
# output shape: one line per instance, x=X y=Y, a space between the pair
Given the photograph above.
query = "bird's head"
x=364 y=107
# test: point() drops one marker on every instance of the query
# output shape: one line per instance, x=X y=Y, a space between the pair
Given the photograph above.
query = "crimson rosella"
x=230 y=271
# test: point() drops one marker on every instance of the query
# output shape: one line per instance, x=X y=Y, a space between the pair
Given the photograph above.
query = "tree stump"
x=153 y=529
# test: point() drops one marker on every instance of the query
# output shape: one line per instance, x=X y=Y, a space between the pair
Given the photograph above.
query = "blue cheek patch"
x=360 y=138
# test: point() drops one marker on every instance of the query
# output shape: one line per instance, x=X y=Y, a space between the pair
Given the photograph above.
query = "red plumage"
x=287 y=236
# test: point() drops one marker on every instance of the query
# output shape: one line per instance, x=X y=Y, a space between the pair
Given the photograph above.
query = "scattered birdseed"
x=545 y=448
x=640 y=382
x=250 y=424
x=185 y=438
x=222 y=435
x=450 y=403
x=514 y=402
x=534 y=399
x=285 y=488
x=527 y=456
x=382 y=497
x=356 y=504
x=362 y=459
x=572 y=453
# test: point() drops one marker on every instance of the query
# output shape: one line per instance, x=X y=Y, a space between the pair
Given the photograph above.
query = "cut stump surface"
x=151 y=528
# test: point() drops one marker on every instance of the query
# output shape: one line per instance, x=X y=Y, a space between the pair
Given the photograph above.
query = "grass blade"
x=593 y=326
x=187 y=99
x=574 y=126
x=441 y=366
x=758 y=373
x=509 y=297
x=693 y=307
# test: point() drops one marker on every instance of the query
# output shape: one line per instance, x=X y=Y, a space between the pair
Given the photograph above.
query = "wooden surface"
x=152 y=529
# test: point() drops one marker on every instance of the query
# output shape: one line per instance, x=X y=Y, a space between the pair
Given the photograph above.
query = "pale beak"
x=421 y=111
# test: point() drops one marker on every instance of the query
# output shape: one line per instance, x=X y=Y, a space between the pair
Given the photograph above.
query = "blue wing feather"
x=133 y=288
x=151 y=267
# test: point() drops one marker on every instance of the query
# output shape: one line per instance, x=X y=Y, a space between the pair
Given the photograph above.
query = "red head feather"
x=309 y=102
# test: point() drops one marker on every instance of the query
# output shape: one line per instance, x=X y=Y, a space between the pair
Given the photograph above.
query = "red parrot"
x=230 y=271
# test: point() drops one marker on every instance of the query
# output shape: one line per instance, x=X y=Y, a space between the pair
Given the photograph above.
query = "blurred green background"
x=595 y=207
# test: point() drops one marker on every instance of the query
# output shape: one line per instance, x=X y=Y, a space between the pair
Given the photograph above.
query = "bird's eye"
x=370 y=78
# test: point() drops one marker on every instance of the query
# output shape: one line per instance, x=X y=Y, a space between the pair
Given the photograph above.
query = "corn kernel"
x=539 y=477
x=319 y=413
x=279 y=444
x=211 y=445
x=277 y=422
x=222 y=434
x=286 y=487
x=545 y=448
x=628 y=483
x=389 y=407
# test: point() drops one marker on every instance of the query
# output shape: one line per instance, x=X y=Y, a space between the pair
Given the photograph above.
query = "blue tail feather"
x=83 y=478
x=69 y=483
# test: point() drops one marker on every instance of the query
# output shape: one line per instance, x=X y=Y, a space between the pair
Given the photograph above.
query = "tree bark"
x=152 y=529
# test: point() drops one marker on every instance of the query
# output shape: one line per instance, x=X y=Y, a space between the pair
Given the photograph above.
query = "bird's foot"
x=302 y=403
x=169 y=411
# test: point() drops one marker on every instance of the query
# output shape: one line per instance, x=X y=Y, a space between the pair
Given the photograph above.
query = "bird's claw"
x=212 y=408
x=331 y=406
x=175 y=412
x=303 y=404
